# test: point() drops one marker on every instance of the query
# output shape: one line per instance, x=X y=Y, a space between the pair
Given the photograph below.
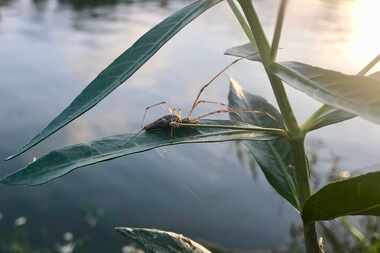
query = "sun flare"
x=365 y=40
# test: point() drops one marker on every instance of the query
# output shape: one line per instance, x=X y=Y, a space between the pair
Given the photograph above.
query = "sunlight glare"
x=365 y=41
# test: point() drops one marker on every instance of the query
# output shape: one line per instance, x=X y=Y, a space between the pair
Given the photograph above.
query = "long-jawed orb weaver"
x=175 y=120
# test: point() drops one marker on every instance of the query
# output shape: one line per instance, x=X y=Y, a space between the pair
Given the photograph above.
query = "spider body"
x=168 y=121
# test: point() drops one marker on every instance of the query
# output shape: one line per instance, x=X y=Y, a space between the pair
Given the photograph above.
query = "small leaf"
x=122 y=68
x=332 y=115
x=246 y=51
x=355 y=94
x=274 y=157
x=62 y=161
x=154 y=241
x=354 y=196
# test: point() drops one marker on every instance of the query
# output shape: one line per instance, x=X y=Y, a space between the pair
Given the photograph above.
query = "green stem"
x=278 y=29
x=311 y=240
x=369 y=66
x=264 y=51
x=275 y=131
x=242 y=21
x=295 y=134
x=302 y=169
x=302 y=174
x=257 y=30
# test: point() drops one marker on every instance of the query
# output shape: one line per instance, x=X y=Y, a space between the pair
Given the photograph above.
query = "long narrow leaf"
x=275 y=157
x=355 y=94
x=354 y=196
x=329 y=116
x=246 y=51
x=122 y=68
x=154 y=241
x=332 y=115
x=62 y=161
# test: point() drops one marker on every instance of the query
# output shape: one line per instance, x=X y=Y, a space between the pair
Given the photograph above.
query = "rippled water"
x=50 y=50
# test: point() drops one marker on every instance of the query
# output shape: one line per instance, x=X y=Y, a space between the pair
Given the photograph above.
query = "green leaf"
x=122 y=68
x=354 y=231
x=275 y=157
x=355 y=94
x=154 y=241
x=329 y=115
x=62 y=161
x=246 y=51
x=325 y=116
x=354 y=196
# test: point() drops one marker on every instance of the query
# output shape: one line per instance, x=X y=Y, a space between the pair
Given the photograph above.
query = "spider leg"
x=155 y=105
x=234 y=110
x=231 y=110
x=210 y=102
x=208 y=83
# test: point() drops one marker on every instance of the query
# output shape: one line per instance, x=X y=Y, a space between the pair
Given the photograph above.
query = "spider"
x=174 y=119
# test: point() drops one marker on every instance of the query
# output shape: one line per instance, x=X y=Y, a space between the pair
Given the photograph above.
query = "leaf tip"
x=5 y=180
x=14 y=179
x=125 y=231
x=9 y=157
x=236 y=88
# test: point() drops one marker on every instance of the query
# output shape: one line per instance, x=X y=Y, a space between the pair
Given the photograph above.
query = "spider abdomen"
x=162 y=123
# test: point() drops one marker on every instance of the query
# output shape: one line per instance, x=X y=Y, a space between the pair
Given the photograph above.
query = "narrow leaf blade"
x=354 y=196
x=62 y=161
x=154 y=240
x=332 y=115
x=275 y=157
x=122 y=68
x=358 y=95
x=246 y=51
x=329 y=117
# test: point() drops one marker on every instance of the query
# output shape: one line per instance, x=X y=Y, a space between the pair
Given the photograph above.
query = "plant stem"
x=369 y=66
x=278 y=29
x=302 y=169
x=264 y=51
x=257 y=30
x=311 y=240
x=295 y=134
x=302 y=174
x=242 y=21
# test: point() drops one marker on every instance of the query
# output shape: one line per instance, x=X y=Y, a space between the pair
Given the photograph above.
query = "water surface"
x=50 y=50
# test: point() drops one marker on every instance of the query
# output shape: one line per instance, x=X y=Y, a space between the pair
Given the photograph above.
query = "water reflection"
x=79 y=5
x=51 y=49
x=5 y=2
